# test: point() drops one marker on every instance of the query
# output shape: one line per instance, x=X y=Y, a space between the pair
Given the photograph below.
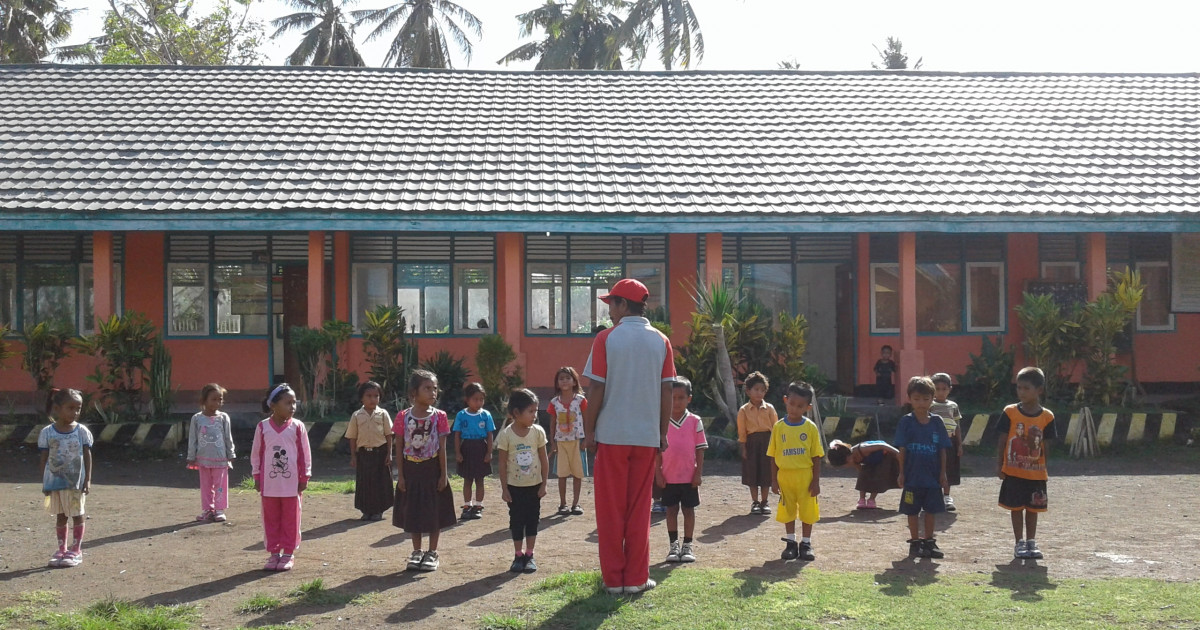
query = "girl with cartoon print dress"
x=281 y=463
x=66 y=458
x=210 y=451
x=424 y=501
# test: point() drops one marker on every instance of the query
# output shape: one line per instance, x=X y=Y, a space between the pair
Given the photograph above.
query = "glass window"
x=770 y=284
x=87 y=317
x=1060 y=271
x=424 y=289
x=473 y=290
x=546 y=297
x=189 y=298
x=939 y=297
x=1154 y=312
x=372 y=288
x=49 y=294
x=654 y=276
x=8 y=295
x=588 y=282
x=241 y=294
x=985 y=297
x=885 y=298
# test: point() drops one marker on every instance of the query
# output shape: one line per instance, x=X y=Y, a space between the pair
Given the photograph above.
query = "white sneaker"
x=686 y=554
x=950 y=504
x=633 y=590
x=414 y=560
x=430 y=561
x=673 y=554
x=1021 y=552
x=614 y=590
x=1032 y=551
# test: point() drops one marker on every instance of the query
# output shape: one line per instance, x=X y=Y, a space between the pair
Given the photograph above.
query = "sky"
x=958 y=35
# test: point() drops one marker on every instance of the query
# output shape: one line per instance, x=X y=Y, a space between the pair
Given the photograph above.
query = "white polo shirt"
x=633 y=359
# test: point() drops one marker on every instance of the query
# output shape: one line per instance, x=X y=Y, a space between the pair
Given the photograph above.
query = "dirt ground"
x=1109 y=518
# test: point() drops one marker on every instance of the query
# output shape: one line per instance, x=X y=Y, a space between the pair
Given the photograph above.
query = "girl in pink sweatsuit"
x=281 y=463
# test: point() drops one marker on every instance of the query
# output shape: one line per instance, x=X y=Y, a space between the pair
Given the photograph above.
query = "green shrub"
x=493 y=357
x=452 y=375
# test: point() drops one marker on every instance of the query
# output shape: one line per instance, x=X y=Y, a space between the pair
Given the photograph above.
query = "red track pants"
x=624 y=476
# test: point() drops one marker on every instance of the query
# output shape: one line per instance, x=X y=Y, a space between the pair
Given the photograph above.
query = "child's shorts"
x=680 y=494
x=1023 y=494
x=795 y=502
x=569 y=460
x=69 y=502
x=914 y=500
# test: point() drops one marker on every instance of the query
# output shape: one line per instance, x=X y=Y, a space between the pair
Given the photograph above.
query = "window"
x=49 y=293
x=985 y=297
x=1060 y=271
x=48 y=276
x=939 y=297
x=588 y=282
x=546 y=283
x=423 y=291
x=1154 y=312
x=8 y=295
x=770 y=284
x=885 y=298
x=241 y=298
x=188 y=284
x=372 y=289
x=87 y=302
x=654 y=276
x=473 y=284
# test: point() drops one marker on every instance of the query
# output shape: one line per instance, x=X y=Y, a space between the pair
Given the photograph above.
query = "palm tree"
x=893 y=57
x=28 y=28
x=328 y=41
x=668 y=25
x=577 y=38
x=420 y=41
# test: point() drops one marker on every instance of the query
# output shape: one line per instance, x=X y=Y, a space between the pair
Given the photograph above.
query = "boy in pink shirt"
x=679 y=470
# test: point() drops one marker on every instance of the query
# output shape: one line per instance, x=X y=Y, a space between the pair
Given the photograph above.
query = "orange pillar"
x=712 y=257
x=1096 y=273
x=510 y=296
x=341 y=276
x=912 y=360
x=683 y=254
x=316 y=278
x=867 y=350
x=103 y=300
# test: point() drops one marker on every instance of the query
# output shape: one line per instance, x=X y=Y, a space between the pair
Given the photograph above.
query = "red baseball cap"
x=627 y=289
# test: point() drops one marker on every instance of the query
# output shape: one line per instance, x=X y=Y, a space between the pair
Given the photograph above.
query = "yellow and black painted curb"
x=1111 y=428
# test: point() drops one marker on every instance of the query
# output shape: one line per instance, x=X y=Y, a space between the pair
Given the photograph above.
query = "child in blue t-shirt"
x=922 y=440
x=473 y=429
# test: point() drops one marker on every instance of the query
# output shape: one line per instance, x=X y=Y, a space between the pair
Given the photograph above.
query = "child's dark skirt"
x=954 y=462
x=472 y=466
x=756 y=468
x=373 y=491
x=421 y=508
x=880 y=475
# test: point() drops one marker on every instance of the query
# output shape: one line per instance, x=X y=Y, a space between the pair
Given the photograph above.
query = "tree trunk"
x=727 y=395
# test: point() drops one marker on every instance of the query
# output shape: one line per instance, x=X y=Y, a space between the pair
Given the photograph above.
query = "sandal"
x=862 y=504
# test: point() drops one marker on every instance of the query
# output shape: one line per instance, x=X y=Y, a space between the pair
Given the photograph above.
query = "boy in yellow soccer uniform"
x=795 y=451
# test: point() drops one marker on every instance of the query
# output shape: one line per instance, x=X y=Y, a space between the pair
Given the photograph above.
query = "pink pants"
x=214 y=488
x=281 y=523
x=624 y=476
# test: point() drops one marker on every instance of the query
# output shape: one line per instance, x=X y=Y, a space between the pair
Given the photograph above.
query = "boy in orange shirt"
x=1025 y=431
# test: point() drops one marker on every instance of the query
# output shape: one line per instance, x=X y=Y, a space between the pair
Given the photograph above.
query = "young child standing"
x=473 y=429
x=523 y=468
x=567 y=409
x=210 y=450
x=922 y=440
x=281 y=464
x=66 y=461
x=680 y=470
x=1023 y=491
x=951 y=417
x=424 y=502
x=795 y=450
x=885 y=368
x=877 y=464
x=370 y=435
x=754 y=423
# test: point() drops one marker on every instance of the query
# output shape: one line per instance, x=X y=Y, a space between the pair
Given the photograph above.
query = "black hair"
x=208 y=390
x=418 y=377
x=472 y=388
x=58 y=397
x=520 y=400
x=681 y=382
x=943 y=378
x=363 y=388
x=756 y=378
x=886 y=347
x=1032 y=375
x=569 y=371
x=634 y=308
x=839 y=453
x=801 y=389
x=278 y=390
x=920 y=385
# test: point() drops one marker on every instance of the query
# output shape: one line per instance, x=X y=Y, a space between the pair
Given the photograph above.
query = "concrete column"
x=341 y=276
x=510 y=294
x=316 y=278
x=911 y=360
x=712 y=257
x=103 y=299
x=1096 y=274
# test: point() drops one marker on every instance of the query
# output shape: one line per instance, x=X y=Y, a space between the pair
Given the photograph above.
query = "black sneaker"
x=530 y=565
x=914 y=548
x=764 y=508
x=931 y=549
x=791 y=551
x=754 y=508
x=806 y=553
x=922 y=549
x=518 y=565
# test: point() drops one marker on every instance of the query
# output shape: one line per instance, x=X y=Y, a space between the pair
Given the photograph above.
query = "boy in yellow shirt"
x=795 y=450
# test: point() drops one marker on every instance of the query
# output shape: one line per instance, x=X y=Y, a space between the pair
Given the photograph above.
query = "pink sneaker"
x=286 y=562
x=870 y=504
x=205 y=516
x=57 y=558
x=272 y=563
x=862 y=504
x=72 y=558
x=218 y=517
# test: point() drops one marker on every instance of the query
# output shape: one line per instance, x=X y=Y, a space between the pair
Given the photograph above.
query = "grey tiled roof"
x=256 y=140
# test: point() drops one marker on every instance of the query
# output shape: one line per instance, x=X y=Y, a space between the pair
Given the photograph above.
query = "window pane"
x=1060 y=272
x=189 y=299
x=887 y=297
x=546 y=297
x=8 y=295
x=49 y=295
x=588 y=282
x=474 y=292
x=654 y=276
x=1155 y=309
x=939 y=297
x=87 y=303
x=423 y=291
x=770 y=284
x=372 y=288
x=241 y=299
x=986 y=296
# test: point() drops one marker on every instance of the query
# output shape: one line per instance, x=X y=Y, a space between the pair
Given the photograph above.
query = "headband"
x=282 y=387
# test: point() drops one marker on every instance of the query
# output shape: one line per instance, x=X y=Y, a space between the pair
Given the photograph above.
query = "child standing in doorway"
x=1025 y=431
x=681 y=470
x=796 y=452
x=281 y=464
x=370 y=435
x=923 y=441
x=885 y=369
x=951 y=417
x=66 y=460
x=754 y=423
x=424 y=502
x=473 y=429
x=566 y=409
x=523 y=468
x=210 y=450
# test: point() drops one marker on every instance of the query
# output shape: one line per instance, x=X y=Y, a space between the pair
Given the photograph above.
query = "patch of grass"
x=39 y=598
x=315 y=594
x=370 y=598
x=259 y=602
x=502 y=622
x=118 y=614
x=907 y=595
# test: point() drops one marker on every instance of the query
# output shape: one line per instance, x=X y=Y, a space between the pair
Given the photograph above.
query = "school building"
x=901 y=208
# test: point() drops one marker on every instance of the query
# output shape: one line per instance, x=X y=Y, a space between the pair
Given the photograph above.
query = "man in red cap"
x=631 y=369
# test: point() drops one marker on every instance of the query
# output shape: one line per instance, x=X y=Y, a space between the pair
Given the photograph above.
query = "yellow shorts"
x=794 y=499
x=69 y=502
x=570 y=463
